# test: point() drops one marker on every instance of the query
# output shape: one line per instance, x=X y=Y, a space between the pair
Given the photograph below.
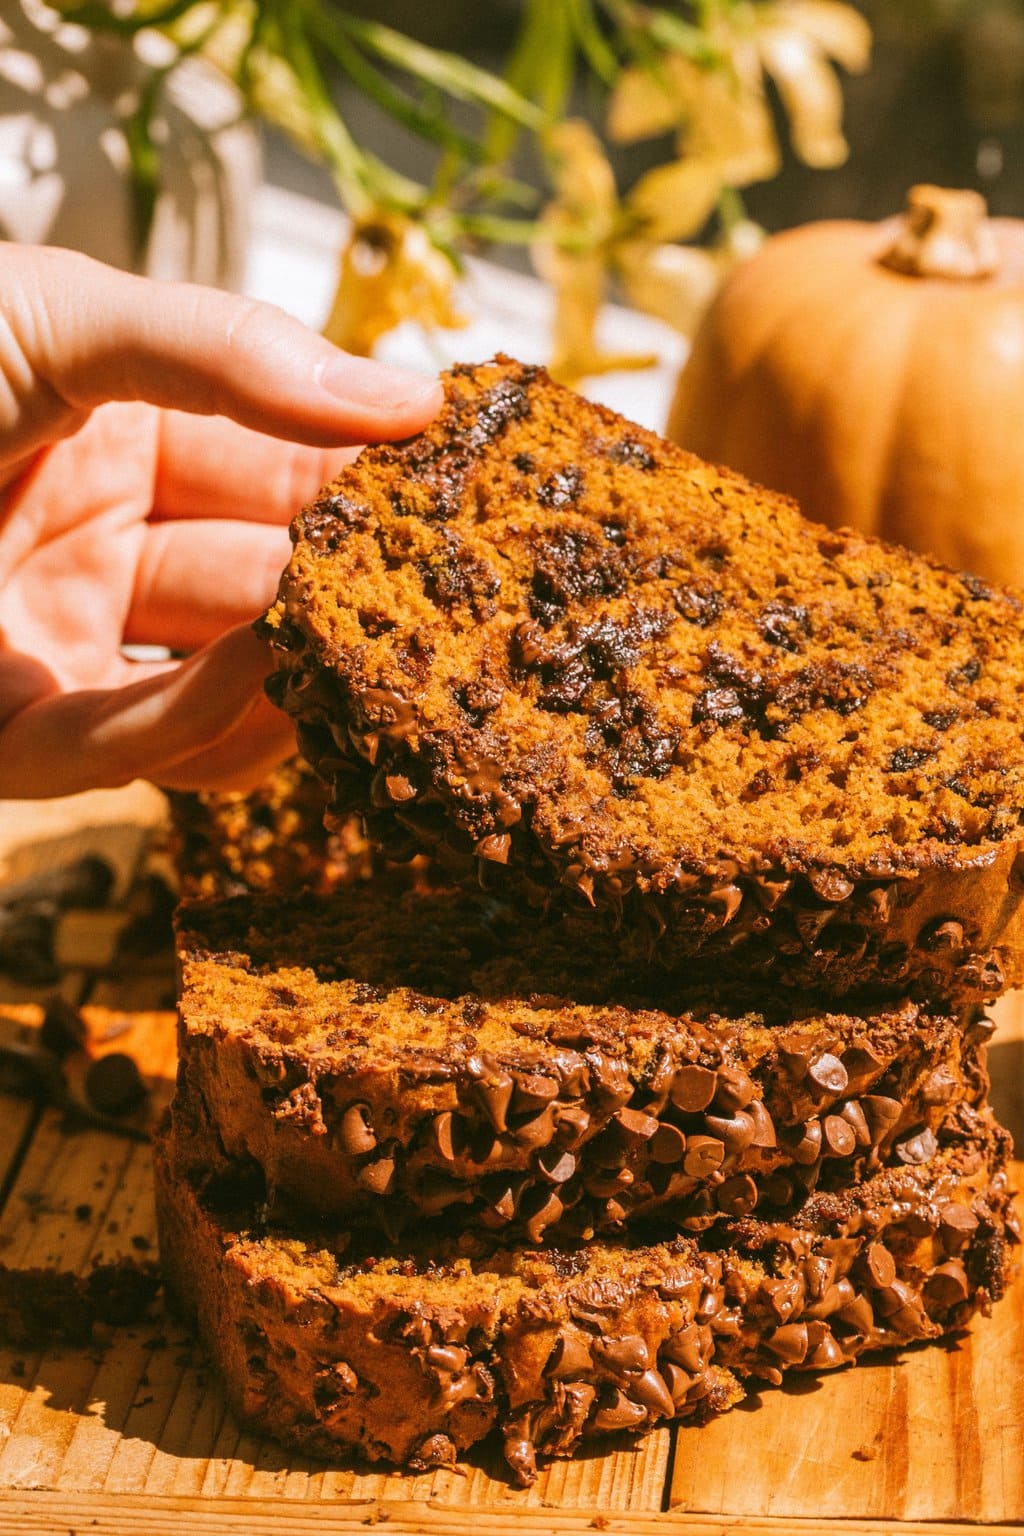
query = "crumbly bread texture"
x=540 y=637
x=271 y=839
x=411 y=1356
x=411 y=1055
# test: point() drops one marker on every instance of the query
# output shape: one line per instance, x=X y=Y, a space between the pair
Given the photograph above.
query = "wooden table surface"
x=130 y=1435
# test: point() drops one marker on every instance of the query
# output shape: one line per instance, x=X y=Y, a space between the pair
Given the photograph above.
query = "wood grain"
x=134 y=1438
x=57 y=1514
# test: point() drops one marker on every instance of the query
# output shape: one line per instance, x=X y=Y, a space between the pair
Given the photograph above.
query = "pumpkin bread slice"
x=540 y=638
x=406 y=1054
x=412 y=1355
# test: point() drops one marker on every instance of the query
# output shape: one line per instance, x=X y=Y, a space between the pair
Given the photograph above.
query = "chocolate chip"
x=840 y=1138
x=677 y=1381
x=764 y=1130
x=880 y=1264
x=789 y=1342
x=808 y=1149
x=536 y=1222
x=495 y=848
x=685 y=1348
x=778 y=1189
x=881 y=1113
x=446 y=1136
x=113 y=1084
x=862 y=1067
x=437 y=1191
x=355 y=1131
x=856 y=1119
x=917 y=1148
x=570 y=1356
x=379 y=1176
x=826 y=1354
x=667 y=1144
x=555 y=1165
x=652 y=1390
x=957 y=1225
x=828 y=1074
x=819 y=1272
x=622 y=1357
x=858 y=1314
x=493 y=1088
x=737 y=1196
x=618 y=1412
x=532 y=1090
x=734 y=1089
x=63 y=1028
x=434 y=1451
x=446 y=1357
x=503 y=1194
x=634 y=1124
x=941 y=934
x=947 y=1285
x=537 y=1130
x=831 y=885
x=704 y=1156
x=784 y=1297
x=980 y=1031
x=693 y=1089
x=939 y=1086
x=736 y=1131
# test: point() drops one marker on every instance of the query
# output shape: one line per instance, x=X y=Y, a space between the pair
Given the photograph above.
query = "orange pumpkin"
x=876 y=373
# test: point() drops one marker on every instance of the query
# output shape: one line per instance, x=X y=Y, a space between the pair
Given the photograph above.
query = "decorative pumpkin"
x=876 y=374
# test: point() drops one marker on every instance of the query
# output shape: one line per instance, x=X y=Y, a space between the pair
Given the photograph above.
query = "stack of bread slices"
x=670 y=1077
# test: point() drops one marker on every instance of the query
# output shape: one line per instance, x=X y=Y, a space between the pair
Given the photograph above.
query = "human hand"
x=135 y=523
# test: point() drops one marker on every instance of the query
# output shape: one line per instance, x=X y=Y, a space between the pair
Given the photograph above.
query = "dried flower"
x=390 y=272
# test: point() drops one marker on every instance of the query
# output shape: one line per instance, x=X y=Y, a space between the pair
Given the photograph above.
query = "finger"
x=104 y=738
x=210 y=467
x=194 y=580
x=242 y=759
x=91 y=333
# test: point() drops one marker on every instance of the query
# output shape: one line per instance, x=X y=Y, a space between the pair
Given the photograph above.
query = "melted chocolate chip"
x=693 y=1088
x=828 y=1074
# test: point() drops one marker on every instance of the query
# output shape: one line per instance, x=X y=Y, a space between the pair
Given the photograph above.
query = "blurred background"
x=942 y=101
x=621 y=152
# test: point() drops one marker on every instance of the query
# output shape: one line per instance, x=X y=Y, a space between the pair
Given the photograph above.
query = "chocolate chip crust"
x=542 y=638
x=406 y=1056
x=415 y=1356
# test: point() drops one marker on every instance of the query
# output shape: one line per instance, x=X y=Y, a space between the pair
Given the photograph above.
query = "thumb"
x=89 y=333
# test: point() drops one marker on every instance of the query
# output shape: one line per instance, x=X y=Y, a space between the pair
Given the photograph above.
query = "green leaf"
x=426 y=124
x=144 y=159
x=455 y=75
x=592 y=41
x=540 y=68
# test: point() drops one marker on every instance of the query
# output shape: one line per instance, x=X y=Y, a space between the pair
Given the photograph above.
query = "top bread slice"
x=543 y=639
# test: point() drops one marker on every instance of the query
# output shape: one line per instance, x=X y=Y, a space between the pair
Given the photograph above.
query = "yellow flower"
x=721 y=112
x=573 y=257
x=591 y=236
x=390 y=272
x=676 y=283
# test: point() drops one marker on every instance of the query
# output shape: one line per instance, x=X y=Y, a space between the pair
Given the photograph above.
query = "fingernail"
x=362 y=382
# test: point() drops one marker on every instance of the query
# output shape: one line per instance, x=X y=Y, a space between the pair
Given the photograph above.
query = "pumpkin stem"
x=943 y=233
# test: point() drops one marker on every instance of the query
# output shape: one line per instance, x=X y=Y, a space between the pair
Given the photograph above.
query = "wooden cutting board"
x=131 y=1435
